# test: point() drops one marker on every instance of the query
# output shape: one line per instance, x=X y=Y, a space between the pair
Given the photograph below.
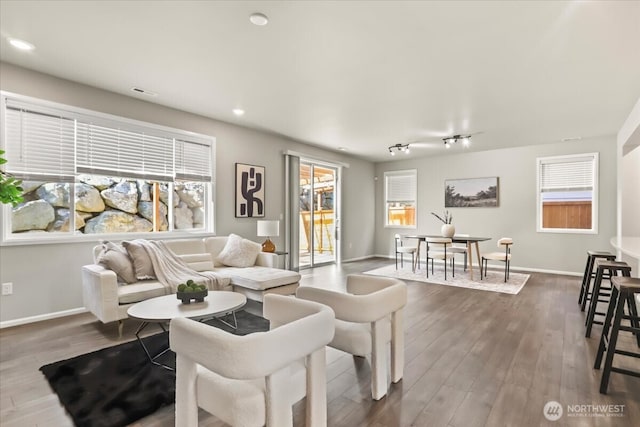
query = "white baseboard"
x=359 y=258
x=513 y=268
x=41 y=317
x=543 y=270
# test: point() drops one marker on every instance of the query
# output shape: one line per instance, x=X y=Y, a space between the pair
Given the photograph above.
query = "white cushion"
x=406 y=249
x=441 y=255
x=140 y=291
x=497 y=256
x=239 y=252
x=198 y=262
x=505 y=241
x=355 y=338
x=260 y=278
x=186 y=246
x=242 y=401
x=214 y=245
x=115 y=258
x=141 y=261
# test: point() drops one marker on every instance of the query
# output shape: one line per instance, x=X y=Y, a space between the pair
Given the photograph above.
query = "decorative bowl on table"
x=191 y=291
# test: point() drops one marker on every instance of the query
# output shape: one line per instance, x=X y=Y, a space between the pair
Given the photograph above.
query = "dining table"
x=468 y=240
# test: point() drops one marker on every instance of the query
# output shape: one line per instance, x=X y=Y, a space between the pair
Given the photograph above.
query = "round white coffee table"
x=162 y=309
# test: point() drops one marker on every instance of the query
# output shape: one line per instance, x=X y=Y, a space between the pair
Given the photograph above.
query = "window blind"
x=572 y=174
x=39 y=143
x=115 y=150
x=401 y=186
x=193 y=160
x=50 y=143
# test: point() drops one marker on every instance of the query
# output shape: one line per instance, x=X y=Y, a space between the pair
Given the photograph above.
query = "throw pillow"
x=115 y=258
x=141 y=261
x=239 y=252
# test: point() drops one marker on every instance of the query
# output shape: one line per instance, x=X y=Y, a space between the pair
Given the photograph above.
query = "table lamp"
x=268 y=229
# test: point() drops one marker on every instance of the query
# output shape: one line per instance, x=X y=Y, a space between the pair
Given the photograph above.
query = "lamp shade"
x=268 y=228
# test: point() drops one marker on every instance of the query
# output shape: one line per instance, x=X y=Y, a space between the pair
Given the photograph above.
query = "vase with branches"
x=446 y=218
x=447 y=230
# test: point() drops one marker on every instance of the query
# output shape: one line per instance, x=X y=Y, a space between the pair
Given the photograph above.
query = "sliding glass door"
x=318 y=214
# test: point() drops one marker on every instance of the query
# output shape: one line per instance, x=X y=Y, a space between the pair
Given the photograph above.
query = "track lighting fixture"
x=465 y=139
x=399 y=148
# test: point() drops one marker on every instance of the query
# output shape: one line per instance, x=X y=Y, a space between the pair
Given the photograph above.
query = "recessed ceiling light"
x=21 y=44
x=572 y=138
x=238 y=111
x=342 y=148
x=259 y=19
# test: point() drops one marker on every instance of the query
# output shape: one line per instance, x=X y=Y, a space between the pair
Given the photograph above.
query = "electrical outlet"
x=7 y=288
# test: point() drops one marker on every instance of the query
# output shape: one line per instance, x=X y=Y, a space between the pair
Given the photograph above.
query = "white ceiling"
x=362 y=75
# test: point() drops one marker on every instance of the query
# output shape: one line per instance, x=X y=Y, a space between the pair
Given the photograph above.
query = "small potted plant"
x=191 y=291
x=447 y=230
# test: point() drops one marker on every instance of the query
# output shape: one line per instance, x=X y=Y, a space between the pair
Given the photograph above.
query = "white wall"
x=516 y=215
x=631 y=193
x=47 y=279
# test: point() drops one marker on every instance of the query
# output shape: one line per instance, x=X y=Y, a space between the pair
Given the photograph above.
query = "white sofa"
x=108 y=300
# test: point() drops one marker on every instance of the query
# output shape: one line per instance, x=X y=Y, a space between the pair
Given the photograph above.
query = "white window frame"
x=412 y=173
x=8 y=238
x=594 y=202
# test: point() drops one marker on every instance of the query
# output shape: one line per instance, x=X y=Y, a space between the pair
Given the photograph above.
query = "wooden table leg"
x=479 y=259
x=470 y=260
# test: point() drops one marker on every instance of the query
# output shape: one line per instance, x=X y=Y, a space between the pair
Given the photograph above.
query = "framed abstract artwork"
x=471 y=193
x=249 y=191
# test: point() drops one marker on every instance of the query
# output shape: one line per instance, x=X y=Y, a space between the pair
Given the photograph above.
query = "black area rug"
x=118 y=385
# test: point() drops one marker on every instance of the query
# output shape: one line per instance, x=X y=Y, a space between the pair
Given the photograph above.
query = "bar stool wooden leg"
x=633 y=313
x=602 y=348
x=613 y=340
x=594 y=302
x=590 y=275
x=586 y=278
x=587 y=284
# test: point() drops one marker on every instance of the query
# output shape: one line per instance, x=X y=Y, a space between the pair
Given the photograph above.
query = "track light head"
x=398 y=148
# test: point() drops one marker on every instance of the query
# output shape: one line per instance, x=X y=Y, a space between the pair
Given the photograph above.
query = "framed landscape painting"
x=471 y=192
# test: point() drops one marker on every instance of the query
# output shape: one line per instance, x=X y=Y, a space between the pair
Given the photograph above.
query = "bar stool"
x=624 y=290
x=590 y=274
x=600 y=293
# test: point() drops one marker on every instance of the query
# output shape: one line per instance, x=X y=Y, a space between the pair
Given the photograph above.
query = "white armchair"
x=368 y=317
x=254 y=380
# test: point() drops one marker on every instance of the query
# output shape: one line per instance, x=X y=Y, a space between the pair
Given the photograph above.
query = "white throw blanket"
x=171 y=270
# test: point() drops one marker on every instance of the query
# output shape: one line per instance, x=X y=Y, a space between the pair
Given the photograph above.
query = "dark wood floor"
x=473 y=358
